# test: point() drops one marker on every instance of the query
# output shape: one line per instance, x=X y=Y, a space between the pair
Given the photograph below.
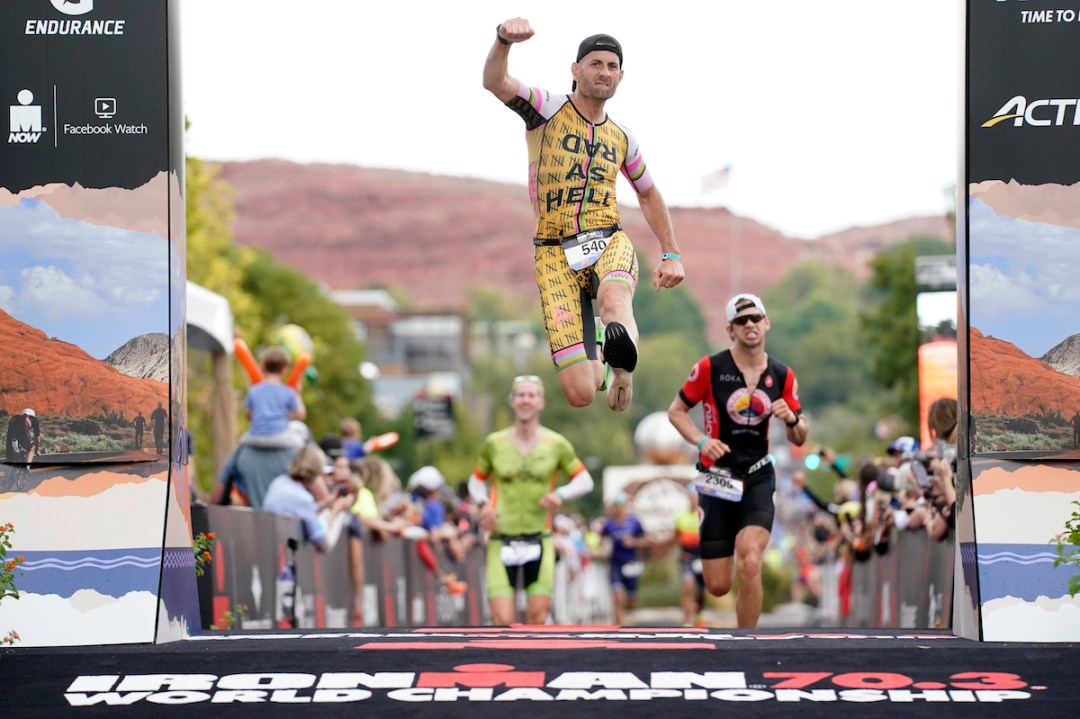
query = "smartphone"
x=920 y=474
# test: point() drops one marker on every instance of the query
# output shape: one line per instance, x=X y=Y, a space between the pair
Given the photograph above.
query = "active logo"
x=25 y=120
x=73 y=7
x=1056 y=112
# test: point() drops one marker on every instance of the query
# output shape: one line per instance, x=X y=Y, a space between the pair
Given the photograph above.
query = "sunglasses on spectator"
x=747 y=318
x=526 y=378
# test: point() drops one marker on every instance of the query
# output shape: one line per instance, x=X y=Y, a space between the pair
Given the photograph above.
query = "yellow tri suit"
x=573 y=164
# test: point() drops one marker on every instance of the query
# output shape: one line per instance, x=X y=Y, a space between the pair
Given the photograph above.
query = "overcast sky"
x=831 y=113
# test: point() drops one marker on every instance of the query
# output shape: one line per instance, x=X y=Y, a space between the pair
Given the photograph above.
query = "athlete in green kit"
x=515 y=481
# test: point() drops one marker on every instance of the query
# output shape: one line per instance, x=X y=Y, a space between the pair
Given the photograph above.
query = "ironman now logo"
x=1056 y=112
x=25 y=117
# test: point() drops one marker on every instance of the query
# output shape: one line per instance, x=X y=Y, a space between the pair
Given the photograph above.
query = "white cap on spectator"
x=29 y=412
x=299 y=431
x=904 y=446
x=427 y=477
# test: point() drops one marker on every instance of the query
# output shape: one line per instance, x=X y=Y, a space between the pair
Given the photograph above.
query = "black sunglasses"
x=747 y=318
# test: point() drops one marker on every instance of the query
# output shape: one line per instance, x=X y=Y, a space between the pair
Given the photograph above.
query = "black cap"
x=331 y=445
x=594 y=43
x=599 y=42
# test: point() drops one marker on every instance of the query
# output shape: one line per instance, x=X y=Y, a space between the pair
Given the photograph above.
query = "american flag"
x=716 y=179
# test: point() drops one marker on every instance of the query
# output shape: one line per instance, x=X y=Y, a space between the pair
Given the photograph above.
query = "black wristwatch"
x=792 y=425
x=502 y=39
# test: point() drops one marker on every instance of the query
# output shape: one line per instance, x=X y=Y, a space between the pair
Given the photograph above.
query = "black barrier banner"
x=92 y=264
x=908 y=586
x=1023 y=91
x=552 y=671
x=253 y=574
x=1022 y=180
x=91 y=229
x=85 y=91
x=1020 y=397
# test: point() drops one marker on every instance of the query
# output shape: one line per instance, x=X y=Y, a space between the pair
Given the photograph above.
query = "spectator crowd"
x=341 y=490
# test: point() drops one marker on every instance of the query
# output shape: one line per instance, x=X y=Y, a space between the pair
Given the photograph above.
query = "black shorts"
x=724 y=520
x=627 y=581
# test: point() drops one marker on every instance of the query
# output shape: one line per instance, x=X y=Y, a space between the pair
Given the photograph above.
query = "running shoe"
x=621 y=355
x=599 y=325
x=620 y=389
x=607 y=378
x=619 y=350
x=600 y=353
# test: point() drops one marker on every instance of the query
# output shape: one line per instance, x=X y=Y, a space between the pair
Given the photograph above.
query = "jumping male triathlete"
x=581 y=252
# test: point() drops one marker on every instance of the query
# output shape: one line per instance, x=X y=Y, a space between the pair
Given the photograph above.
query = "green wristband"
x=702 y=441
x=670 y=256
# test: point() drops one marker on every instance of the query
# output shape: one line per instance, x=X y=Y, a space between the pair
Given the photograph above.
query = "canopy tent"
x=210 y=328
x=209 y=320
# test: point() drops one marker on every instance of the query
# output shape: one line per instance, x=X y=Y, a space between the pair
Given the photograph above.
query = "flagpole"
x=736 y=256
x=710 y=183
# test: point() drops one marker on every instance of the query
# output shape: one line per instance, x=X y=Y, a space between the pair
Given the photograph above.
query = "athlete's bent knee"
x=579 y=394
x=717 y=586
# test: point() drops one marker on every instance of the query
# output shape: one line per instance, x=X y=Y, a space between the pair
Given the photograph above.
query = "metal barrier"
x=250 y=553
x=908 y=587
x=583 y=596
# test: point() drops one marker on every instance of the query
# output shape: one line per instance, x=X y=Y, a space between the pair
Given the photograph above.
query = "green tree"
x=673 y=338
x=455 y=457
x=600 y=436
x=214 y=260
x=815 y=329
x=670 y=312
x=891 y=327
x=217 y=263
x=263 y=295
x=287 y=296
x=490 y=304
x=666 y=359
